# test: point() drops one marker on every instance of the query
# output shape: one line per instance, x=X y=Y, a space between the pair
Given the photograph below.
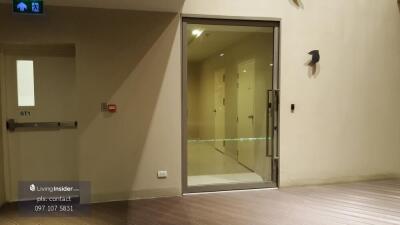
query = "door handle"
x=272 y=126
x=269 y=124
x=12 y=125
x=251 y=117
x=275 y=113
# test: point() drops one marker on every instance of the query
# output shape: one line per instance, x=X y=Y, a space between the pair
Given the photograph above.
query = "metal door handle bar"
x=276 y=99
x=12 y=125
x=273 y=116
x=269 y=123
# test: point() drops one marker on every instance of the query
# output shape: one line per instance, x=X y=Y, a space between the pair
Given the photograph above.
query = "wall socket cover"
x=162 y=174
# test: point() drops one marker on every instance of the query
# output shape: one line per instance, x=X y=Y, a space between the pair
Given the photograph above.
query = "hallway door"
x=246 y=113
x=41 y=114
x=219 y=101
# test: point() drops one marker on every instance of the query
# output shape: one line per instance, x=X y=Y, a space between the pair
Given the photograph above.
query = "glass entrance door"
x=231 y=103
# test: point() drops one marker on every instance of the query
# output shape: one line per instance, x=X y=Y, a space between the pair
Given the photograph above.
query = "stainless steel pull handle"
x=272 y=126
x=12 y=125
x=275 y=112
x=269 y=123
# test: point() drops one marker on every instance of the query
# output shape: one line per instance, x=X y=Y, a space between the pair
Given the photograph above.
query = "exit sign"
x=28 y=6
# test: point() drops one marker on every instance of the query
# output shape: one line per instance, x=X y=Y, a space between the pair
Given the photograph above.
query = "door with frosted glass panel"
x=40 y=95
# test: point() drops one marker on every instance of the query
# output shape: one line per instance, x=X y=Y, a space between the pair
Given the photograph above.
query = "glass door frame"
x=256 y=22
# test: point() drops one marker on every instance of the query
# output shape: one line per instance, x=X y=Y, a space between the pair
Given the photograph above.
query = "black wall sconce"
x=314 y=63
x=315 y=57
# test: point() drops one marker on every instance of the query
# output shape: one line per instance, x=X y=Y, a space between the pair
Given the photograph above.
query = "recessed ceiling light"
x=222 y=54
x=197 y=33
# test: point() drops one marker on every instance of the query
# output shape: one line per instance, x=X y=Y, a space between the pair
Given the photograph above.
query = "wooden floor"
x=373 y=203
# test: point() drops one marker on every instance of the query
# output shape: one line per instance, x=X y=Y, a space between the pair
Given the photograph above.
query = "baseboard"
x=336 y=180
x=135 y=195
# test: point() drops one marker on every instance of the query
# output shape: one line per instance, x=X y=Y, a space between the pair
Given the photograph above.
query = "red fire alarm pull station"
x=112 y=108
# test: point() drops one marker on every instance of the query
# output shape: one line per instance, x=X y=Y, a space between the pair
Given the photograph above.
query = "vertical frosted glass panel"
x=25 y=83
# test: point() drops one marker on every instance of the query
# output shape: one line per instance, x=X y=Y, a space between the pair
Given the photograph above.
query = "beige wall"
x=346 y=125
x=193 y=98
x=131 y=59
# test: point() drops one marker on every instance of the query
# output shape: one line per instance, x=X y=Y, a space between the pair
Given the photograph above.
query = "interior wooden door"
x=219 y=103
x=246 y=115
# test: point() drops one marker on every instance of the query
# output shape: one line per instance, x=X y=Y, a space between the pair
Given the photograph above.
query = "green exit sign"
x=28 y=6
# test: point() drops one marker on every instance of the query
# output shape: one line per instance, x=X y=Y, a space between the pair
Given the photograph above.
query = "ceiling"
x=146 y=5
x=216 y=38
x=211 y=43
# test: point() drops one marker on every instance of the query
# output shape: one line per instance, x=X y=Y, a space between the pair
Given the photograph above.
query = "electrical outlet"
x=162 y=174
